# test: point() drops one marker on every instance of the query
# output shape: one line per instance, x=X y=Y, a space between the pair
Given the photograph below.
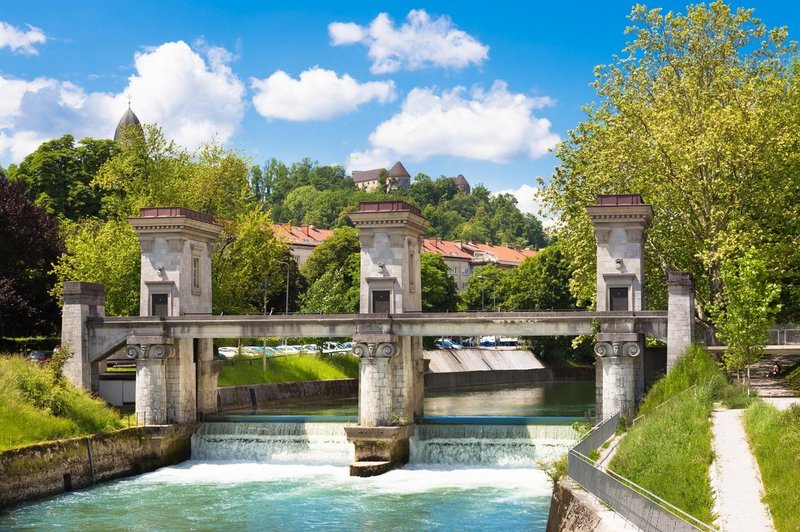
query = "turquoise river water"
x=248 y=475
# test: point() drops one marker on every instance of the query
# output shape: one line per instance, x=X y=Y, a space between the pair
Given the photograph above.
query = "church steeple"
x=128 y=119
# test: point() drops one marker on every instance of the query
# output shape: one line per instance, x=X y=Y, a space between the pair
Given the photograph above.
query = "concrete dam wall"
x=481 y=359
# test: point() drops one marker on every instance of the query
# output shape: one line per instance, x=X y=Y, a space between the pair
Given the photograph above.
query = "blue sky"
x=477 y=88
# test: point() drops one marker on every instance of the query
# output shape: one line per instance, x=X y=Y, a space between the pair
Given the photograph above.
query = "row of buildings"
x=398 y=177
x=461 y=258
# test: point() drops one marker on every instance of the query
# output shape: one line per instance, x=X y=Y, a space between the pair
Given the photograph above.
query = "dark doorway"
x=619 y=298
x=159 y=305
x=380 y=301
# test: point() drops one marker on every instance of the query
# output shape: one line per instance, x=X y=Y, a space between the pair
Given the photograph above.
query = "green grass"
x=35 y=407
x=669 y=451
x=775 y=442
x=241 y=371
x=792 y=379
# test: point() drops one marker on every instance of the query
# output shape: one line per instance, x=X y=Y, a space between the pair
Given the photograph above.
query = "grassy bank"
x=38 y=406
x=775 y=442
x=240 y=371
x=792 y=379
x=668 y=451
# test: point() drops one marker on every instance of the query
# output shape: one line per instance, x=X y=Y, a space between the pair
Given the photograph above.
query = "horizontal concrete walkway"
x=771 y=390
x=736 y=478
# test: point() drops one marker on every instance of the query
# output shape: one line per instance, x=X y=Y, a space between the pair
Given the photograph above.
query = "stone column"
x=617 y=369
x=680 y=316
x=81 y=301
x=375 y=383
x=151 y=382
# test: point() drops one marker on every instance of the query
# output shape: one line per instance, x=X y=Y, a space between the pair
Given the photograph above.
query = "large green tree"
x=30 y=243
x=59 y=173
x=249 y=268
x=333 y=253
x=439 y=293
x=746 y=309
x=700 y=116
x=106 y=253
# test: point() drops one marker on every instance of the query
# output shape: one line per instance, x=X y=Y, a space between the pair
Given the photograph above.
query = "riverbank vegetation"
x=775 y=441
x=39 y=405
x=240 y=370
x=672 y=437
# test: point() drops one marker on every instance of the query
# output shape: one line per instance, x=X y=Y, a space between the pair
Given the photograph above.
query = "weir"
x=171 y=341
x=495 y=445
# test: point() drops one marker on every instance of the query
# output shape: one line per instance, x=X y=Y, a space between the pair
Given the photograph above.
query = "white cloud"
x=491 y=126
x=369 y=160
x=420 y=42
x=192 y=98
x=318 y=94
x=20 y=41
x=528 y=201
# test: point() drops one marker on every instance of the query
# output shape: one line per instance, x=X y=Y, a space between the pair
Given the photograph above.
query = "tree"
x=333 y=253
x=249 y=268
x=699 y=116
x=746 y=310
x=337 y=291
x=58 y=175
x=151 y=170
x=107 y=253
x=30 y=242
x=484 y=290
x=542 y=283
x=439 y=292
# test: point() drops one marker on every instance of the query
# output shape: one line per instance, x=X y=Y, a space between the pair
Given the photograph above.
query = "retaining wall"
x=50 y=468
x=255 y=395
x=571 y=510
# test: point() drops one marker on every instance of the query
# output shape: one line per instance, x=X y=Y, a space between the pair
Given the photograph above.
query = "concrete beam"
x=106 y=334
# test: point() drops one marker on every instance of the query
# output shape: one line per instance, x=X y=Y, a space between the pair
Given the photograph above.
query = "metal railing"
x=778 y=335
x=631 y=501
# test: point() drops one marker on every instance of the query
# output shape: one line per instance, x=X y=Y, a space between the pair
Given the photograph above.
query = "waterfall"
x=281 y=443
x=326 y=443
x=496 y=445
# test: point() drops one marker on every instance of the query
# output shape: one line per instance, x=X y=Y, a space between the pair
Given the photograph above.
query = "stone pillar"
x=391 y=390
x=616 y=364
x=680 y=316
x=620 y=222
x=81 y=301
x=176 y=246
x=151 y=382
x=375 y=384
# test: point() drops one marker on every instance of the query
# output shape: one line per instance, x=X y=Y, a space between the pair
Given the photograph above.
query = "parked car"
x=447 y=343
x=227 y=352
x=287 y=350
x=488 y=341
x=39 y=356
x=347 y=346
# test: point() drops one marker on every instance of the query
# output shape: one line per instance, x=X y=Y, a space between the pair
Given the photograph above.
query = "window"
x=380 y=301
x=196 y=272
x=159 y=305
x=618 y=298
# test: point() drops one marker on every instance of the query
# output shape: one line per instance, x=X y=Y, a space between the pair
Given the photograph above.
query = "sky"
x=483 y=89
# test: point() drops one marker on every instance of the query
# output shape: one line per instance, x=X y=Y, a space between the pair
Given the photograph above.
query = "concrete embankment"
x=50 y=468
x=479 y=367
x=255 y=395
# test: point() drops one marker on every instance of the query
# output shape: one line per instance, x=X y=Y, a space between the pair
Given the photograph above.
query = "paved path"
x=770 y=389
x=736 y=478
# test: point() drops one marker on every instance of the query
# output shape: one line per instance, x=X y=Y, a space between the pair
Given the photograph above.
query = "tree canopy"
x=58 y=175
x=31 y=243
x=700 y=116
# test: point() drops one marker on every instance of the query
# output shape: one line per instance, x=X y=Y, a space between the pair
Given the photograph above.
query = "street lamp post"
x=482 y=289
x=286 y=311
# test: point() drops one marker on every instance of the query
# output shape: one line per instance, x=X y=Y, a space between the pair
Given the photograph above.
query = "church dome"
x=128 y=119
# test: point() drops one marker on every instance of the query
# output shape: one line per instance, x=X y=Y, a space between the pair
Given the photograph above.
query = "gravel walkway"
x=736 y=479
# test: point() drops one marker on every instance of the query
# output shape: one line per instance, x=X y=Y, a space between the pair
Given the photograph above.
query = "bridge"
x=172 y=340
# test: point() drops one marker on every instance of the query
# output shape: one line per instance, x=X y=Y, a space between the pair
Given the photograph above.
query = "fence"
x=779 y=335
x=640 y=507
